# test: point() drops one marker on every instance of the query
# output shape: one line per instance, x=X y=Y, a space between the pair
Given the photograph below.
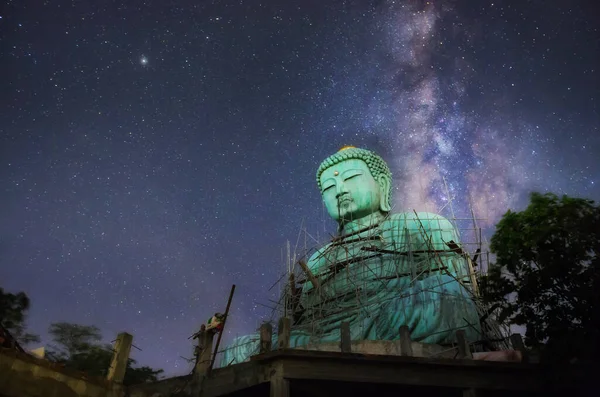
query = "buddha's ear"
x=385 y=185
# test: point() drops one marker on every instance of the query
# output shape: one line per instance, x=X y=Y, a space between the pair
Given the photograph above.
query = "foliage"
x=13 y=312
x=142 y=374
x=73 y=339
x=78 y=347
x=95 y=360
x=547 y=275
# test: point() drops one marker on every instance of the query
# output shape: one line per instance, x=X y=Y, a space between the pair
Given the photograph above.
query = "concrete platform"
x=293 y=372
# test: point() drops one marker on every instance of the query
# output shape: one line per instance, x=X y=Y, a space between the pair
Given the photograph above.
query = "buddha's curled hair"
x=376 y=165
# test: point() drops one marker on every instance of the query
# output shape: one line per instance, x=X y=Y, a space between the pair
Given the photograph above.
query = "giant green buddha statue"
x=381 y=271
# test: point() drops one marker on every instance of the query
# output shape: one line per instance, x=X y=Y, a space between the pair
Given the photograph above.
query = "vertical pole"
x=284 y=331
x=517 y=343
x=118 y=365
x=464 y=351
x=287 y=295
x=205 y=344
x=280 y=387
x=266 y=333
x=405 y=341
x=411 y=262
x=345 y=338
x=214 y=356
x=472 y=276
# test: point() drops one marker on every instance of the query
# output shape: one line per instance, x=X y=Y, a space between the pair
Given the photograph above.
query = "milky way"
x=152 y=155
x=490 y=160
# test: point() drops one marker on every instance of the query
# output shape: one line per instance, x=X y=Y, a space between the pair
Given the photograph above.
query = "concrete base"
x=384 y=348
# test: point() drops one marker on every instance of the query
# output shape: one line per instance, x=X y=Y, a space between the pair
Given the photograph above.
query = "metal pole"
x=212 y=362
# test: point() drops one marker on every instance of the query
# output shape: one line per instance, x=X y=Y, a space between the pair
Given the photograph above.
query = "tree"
x=136 y=375
x=97 y=359
x=73 y=339
x=78 y=347
x=13 y=313
x=547 y=275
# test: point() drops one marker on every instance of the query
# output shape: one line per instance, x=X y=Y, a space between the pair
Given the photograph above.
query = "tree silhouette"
x=13 y=313
x=78 y=347
x=547 y=276
x=73 y=339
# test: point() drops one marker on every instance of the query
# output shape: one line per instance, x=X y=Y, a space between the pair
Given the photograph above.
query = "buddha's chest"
x=354 y=263
x=368 y=258
x=347 y=272
x=356 y=249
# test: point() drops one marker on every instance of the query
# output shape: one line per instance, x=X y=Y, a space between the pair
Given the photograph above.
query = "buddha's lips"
x=344 y=200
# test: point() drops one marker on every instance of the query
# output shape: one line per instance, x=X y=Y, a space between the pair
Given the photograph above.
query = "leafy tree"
x=135 y=375
x=547 y=275
x=73 y=339
x=13 y=313
x=78 y=347
x=95 y=360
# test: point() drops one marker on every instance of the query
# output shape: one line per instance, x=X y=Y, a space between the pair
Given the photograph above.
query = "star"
x=143 y=60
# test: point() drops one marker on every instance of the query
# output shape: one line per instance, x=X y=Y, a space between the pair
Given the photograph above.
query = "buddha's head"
x=355 y=183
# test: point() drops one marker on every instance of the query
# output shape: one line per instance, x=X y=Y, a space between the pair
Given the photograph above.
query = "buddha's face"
x=349 y=191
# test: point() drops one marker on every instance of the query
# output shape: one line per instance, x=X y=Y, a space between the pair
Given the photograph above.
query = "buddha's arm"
x=429 y=239
x=438 y=235
x=312 y=269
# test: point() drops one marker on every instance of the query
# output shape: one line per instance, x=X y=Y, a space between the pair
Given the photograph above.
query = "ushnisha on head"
x=355 y=183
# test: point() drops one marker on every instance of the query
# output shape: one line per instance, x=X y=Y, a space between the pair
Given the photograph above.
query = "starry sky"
x=153 y=153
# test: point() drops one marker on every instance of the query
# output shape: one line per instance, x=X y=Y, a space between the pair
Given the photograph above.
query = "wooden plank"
x=464 y=350
x=346 y=339
x=214 y=356
x=309 y=274
x=283 y=333
x=266 y=333
x=405 y=341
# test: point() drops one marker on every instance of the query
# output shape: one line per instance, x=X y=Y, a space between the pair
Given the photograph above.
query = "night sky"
x=152 y=153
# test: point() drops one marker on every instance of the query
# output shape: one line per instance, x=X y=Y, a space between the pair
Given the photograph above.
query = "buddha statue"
x=380 y=271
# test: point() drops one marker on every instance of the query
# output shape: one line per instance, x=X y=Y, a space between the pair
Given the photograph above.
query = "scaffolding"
x=351 y=277
x=409 y=261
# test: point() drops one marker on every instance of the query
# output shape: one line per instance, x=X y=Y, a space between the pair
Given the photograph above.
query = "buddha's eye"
x=351 y=175
x=327 y=187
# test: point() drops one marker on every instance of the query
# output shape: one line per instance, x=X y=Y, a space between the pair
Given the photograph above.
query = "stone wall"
x=22 y=375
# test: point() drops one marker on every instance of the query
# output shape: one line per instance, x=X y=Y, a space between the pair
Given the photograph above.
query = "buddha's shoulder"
x=316 y=257
x=410 y=220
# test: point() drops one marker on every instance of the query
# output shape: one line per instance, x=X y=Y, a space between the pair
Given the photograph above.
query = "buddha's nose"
x=341 y=190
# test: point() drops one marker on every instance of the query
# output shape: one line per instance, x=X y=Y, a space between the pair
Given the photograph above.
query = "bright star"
x=143 y=60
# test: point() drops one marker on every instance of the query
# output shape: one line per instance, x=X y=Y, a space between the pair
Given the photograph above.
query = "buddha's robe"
x=367 y=279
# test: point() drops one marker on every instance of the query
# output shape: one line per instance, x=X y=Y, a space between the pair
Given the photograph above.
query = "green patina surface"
x=382 y=271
